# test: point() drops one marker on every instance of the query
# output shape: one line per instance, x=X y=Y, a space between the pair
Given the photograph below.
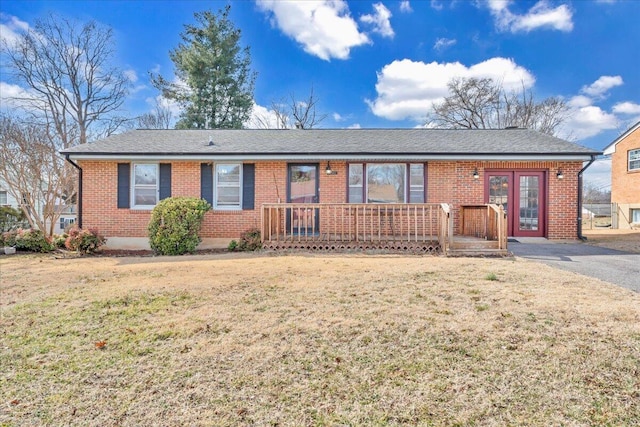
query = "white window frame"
x=217 y=185
x=4 y=198
x=416 y=187
x=360 y=186
x=64 y=222
x=632 y=213
x=633 y=157
x=135 y=186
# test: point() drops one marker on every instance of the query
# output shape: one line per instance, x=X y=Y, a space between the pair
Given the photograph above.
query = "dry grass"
x=314 y=340
x=622 y=240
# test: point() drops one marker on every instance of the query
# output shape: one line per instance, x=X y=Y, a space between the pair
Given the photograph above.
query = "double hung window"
x=634 y=160
x=228 y=186
x=145 y=185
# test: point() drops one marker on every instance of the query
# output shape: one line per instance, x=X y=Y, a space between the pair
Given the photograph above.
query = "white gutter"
x=321 y=157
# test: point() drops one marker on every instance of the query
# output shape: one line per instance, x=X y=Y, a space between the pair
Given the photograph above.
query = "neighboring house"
x=68 y=217
x=241 y=172
x=68 y=214
x=625 y=179
x=6 y=199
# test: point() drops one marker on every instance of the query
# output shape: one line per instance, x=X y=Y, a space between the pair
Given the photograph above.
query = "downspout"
x=580 y=236
x=75 y=165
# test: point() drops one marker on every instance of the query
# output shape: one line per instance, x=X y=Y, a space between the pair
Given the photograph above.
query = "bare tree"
x=291 y=113
x=303 y=113
x=71 y=86
x=160 y=118
x=71 y=93
x=35 y=174
x=484 y=104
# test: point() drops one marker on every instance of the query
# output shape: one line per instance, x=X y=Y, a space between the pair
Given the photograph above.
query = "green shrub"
x=27 y=240
x=250 y=240
x=11 y=219
x=175 y=224
x=86 y=241
x=60 y=240
x=233 y=246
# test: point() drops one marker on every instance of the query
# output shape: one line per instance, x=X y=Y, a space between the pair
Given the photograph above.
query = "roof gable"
x=611 y=148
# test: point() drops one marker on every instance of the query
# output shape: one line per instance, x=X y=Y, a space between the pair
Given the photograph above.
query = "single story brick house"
x=533 y=176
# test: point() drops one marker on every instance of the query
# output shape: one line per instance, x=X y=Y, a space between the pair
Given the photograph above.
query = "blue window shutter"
x=165 y=180
x=124 y=183
x=206 y=182
x=248 y=186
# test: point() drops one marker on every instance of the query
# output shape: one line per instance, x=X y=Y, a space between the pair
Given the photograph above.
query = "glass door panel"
x=302 y=184
x=499 y=194
x=529 y=203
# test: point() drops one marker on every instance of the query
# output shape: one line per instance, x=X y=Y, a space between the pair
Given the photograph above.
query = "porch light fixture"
x=330 y=171
x=560 y=175
x=476 y=175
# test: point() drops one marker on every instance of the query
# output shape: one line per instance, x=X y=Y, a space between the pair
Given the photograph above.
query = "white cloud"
x=14 y=96
x=443 y=43
x=10 y=28
x=262 y=118
x=323 y=28
x=131 y=75
x=171 y=105
x=405 y=6
x=579 y=101
x=379 y=20
x=436 y=4
x=337 y=117
x=600 y=87
x=626 y=108
x=541 y=15
x=587 y=121
x=354 y=126
x=407 y=89
x=599 y=174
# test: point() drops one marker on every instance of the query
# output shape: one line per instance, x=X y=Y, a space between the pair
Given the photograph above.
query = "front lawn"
x=298 y=340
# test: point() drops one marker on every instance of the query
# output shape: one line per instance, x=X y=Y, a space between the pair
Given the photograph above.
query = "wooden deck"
x=414 y=228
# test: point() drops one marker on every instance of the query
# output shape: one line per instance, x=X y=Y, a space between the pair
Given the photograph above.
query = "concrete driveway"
x=619 y=268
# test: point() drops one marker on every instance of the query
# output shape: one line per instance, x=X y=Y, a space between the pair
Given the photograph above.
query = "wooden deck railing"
x=356 y=223
x=484 y=221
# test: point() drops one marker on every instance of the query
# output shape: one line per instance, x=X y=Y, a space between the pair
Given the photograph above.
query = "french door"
x=522 y=195
x=302 y=187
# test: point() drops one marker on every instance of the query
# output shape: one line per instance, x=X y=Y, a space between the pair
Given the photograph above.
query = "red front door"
x=522 y=194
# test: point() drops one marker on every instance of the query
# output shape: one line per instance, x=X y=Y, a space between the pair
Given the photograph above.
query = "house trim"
x=611 y=148
x=363 y=157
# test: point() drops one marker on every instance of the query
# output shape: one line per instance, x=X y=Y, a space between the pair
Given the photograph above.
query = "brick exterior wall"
x=625 y=184
x=447 y=182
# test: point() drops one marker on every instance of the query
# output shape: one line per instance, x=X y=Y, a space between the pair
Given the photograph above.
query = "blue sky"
x=383 y=63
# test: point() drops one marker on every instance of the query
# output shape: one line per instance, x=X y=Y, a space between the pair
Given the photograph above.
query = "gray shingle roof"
x=331 y=142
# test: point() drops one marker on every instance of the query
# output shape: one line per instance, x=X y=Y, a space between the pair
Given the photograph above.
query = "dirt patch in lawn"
x=622 y=240
x=236 y=339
